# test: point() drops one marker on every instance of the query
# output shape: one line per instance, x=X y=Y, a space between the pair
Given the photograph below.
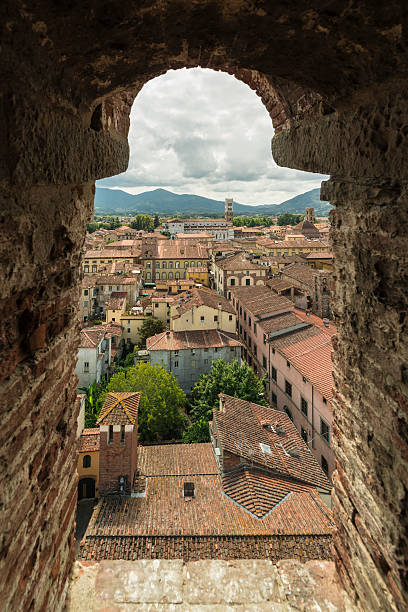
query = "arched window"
x=157 y=275
x=86 y=462
x=164 y=276
x=170 y=275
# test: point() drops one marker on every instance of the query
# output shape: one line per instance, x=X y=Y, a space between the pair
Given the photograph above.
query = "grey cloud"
x=205 y=132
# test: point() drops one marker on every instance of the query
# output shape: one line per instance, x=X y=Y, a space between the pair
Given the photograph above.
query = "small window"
x=274 y=399
x=128 y=330
x=254 y=328
x=264 y=361
x=244 y=316
x=274 y=374
x=110 y=287
x=86 y=269
x=288 y=364
x=110 y=434
x=230 y=318
x=86 y=366
x=232 y=282
x=113 y=319
x=325 y=430
x=249 y=321
x=86 y=462
x=264 y=338
x=216 y=349
x=324 y=400
x=85 y=303
x=205 y=361
x=176 y=364
x=202 y=319
x=288 y=388
x=247 y=282
x=288 y=412
x=240 y=310
x=325 y=466
x=156 y=305
x=303 y=406
x=86 y=292
x=215 y=317
x=122 y=434
x=303 y=433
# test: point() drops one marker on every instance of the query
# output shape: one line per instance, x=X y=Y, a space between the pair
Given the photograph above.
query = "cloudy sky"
x=204 y=132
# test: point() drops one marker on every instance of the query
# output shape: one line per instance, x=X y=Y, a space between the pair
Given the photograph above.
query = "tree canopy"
x=161 y=408
x=143 y=222
x=237 y=380
x=150 y=327
x=289 y=219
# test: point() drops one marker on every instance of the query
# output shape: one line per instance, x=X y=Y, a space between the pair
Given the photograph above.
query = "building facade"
x=189 y=354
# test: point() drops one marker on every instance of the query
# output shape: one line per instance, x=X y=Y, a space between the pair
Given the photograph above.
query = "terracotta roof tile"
x=300 y=272
x=91 y=336
x=258 y=491
x=89 y=440
x=119 y=409
x=312 y=358
x=177 y=459
x=201 y=296
x=117 y=300
x=178 y=341
x=236 y=262
x=241 y=431
x=261 y=300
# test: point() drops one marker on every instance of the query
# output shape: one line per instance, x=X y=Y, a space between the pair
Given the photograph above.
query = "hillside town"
x=229 y=328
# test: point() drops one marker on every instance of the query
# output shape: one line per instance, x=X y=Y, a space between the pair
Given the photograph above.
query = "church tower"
x=229 y=210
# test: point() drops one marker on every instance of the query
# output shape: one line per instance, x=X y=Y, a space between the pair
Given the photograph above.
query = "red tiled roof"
x=258 y=491
x=178 y=341
x=236 y=262
x=89 y=440
x=239 y=425
x=278 y=284
x=109 y=254
x=330 y=329
x=312 y=358
x=261 y=300
x=164 y=511
x=119 y=409
x=202 y=296
x=117 y=300
x=177 y=459
x=300 y=272
x=91 y=336
x=318 y=255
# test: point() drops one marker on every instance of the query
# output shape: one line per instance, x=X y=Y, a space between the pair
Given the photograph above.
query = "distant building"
x=96 y=350
x=188 y=354
x=202 y=309
x=229 y=210
x=235 y=270
x=169 y=260
x=309 y=216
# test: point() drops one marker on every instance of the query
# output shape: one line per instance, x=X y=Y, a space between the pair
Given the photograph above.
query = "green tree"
x=161 y=408
x=156 y=221
x=93 y=401
x=143 y=222
x=289 y=219
x=237 y=380
x=150 y=327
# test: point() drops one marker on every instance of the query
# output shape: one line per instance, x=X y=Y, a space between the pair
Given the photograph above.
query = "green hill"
x=163 y=202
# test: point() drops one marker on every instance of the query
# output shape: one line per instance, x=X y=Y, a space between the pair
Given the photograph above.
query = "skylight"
x=265 y=448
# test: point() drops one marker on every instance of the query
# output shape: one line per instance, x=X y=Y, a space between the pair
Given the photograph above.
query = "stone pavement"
x=216 y=586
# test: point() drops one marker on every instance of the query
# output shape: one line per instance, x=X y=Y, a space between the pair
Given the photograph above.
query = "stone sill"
x=212 y=585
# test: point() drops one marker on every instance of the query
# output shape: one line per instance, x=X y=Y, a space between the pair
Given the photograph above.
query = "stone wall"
x=370 y=360
x=334 y=82
x=41 y=238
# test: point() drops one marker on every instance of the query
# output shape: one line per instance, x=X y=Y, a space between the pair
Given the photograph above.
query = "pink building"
x=294 y=351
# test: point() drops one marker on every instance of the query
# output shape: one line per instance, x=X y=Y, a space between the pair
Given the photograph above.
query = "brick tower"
x=309 y=216
x=229 y=210
x=118 y=443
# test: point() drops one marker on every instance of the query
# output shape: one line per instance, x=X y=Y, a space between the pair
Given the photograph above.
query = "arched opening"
x=353 y=59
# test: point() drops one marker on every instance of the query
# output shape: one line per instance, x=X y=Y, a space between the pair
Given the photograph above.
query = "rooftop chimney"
x=188 y=490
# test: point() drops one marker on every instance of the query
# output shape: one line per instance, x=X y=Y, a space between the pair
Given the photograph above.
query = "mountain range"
x=163 y=202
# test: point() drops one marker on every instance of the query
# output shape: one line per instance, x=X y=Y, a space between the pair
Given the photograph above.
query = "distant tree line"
x=267 y=221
